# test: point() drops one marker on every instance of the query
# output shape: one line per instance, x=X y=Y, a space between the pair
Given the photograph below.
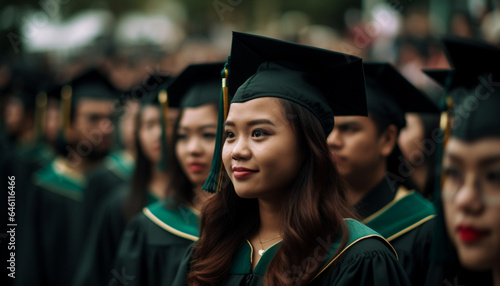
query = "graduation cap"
x=322 y=81
x=473 y=81
x=390 y=95
x=197 y=85
x=91 y=84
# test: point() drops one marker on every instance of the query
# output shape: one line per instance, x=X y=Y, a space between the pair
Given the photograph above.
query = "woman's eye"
x=259 y=133
x=451 y=173
x=209 y=135
x=229 y=134
x=493 y=176
x=181 y=136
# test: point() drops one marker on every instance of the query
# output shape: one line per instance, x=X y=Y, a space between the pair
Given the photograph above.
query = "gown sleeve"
x=368 y=262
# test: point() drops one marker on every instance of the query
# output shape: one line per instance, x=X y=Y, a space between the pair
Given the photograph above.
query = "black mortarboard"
x=389 y=95
x=92 y=84
x=473 y=87
x=327 y=83
x=197 y=85
x=323 y=81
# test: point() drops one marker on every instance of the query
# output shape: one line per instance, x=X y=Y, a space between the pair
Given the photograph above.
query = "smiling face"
x=150 y=133
x=261 y=153
x=471 y=200
x=196 y=142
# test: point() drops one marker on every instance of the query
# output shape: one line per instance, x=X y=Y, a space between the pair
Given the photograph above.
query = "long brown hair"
x=313 y=209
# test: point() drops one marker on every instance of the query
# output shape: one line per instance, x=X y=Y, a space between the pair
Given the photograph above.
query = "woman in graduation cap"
x=148 y=183
x=154 y=242
x=468 y=228
x=279 y=216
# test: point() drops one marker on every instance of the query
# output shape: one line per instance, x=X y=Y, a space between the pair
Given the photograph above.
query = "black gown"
x=115 y=171
x=154 y=242
x=405 y=219
x=367 y=259
x=102 y=241
x=52 y=238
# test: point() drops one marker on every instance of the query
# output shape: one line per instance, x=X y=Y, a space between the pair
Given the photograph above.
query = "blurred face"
x=150 y=133
x=52 y=121
x=196 y=142
x=14 y=114
x=93 y=123
x=471 y=200
x=128 y=123
x=355 y=146
x=261 y=152
x=410 y=139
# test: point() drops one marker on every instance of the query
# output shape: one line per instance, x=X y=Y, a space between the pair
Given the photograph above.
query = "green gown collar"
x=407 y=211
x=242 y=263
x=58 y=178
x=180 y=220
x=120 y=163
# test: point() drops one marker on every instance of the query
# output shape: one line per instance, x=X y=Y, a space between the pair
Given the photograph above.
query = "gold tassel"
x=225 y=98
x=66 y=94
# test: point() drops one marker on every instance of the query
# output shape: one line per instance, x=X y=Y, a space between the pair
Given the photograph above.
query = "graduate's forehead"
x=474 y=152
x=264 y=108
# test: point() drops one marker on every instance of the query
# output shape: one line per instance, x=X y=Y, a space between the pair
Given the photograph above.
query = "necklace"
x=261 y=250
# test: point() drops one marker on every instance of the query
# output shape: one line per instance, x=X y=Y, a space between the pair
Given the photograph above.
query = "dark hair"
x=179 y=184
x=430 y=123
x=396 y=158
x=314 y=208
x=136 y=197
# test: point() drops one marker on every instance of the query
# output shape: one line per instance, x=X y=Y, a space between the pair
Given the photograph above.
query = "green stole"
x=58 y=178
x=120 y=163
x=407 y=211
x=181 y=220
x=242 y=263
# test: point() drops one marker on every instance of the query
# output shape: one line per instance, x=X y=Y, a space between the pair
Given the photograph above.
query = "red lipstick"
x=196 y=167
x=469 y=234
x=240 y=172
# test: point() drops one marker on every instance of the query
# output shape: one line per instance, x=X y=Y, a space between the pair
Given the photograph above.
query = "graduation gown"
x=115 y=171
x=405 y=219
x=52 y=237
x=103 y=238
x=154 y=242
x=367 y=259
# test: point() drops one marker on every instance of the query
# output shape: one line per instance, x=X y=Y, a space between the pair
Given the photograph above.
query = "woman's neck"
x=159 y=182
x=269 y=213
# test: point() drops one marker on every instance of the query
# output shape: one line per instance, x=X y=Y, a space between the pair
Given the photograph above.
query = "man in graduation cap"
x=467 y=233
x=53 y=236
x=366 y=153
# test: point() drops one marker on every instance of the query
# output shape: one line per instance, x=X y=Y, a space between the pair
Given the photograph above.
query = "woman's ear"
x=387 y=140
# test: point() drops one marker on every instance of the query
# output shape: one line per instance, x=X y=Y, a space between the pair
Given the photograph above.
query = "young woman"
x=468 y=233
x=154 y=242
x=147 y=185
x=279 y=215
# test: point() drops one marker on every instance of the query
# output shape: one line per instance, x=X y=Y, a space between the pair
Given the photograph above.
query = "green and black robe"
x=367 y=259
x=52 y=236
x=105 y=231
x=154 y=243
x=405 y=219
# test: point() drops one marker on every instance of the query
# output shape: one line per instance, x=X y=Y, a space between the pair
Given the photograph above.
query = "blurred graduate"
x=154 y=242
x=366 y=152
x=53 y=239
